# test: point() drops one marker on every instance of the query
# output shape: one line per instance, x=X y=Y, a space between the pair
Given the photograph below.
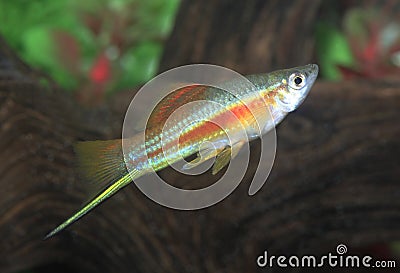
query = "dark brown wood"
x=335 y=178
x=247 y=36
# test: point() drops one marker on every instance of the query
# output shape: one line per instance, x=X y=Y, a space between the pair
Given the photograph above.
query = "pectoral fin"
x=225 y=156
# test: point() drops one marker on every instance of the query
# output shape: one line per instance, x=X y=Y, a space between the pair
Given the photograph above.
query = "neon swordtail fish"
x=280 y=91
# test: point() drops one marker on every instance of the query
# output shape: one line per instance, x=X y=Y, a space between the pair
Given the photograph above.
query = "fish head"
x=295 y=85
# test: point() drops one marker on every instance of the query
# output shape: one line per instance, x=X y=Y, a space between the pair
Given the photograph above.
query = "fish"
x=272 y=95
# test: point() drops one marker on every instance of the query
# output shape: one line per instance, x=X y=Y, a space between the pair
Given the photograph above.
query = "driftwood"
x=335 y=178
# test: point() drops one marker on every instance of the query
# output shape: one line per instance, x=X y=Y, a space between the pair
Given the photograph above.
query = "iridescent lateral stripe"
x=193 y=135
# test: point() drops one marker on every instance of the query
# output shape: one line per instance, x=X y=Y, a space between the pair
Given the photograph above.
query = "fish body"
x=207 y=115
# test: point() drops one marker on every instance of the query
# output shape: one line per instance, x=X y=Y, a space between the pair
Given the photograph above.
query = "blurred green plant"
x=366 y=46
x=332 y=50
x=89 y=47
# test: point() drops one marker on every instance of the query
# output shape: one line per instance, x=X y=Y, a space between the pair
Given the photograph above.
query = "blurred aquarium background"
x=90 y=48
x=96 y=48
x=364 y=42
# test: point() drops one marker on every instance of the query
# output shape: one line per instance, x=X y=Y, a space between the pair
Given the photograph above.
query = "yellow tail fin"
x=103 y=163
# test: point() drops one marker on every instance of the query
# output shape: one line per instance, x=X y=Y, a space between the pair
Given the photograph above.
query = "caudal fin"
x=113 y=188
x=102 y=162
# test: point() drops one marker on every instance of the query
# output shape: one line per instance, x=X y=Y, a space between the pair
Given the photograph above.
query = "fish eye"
x=297 y=80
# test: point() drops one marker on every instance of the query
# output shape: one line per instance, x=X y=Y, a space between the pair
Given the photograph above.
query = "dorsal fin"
x=171 y=102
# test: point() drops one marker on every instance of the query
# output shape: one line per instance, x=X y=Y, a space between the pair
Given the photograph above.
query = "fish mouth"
x=312 y=73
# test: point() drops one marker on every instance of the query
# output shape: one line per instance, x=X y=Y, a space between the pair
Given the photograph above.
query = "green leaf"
x=332 y=50
x=38 y=47
x=139 y=64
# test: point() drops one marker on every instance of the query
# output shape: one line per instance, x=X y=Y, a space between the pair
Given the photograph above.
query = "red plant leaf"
x=100 y=71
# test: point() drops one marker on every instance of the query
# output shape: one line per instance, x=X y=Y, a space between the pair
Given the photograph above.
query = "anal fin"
x=224 y=157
